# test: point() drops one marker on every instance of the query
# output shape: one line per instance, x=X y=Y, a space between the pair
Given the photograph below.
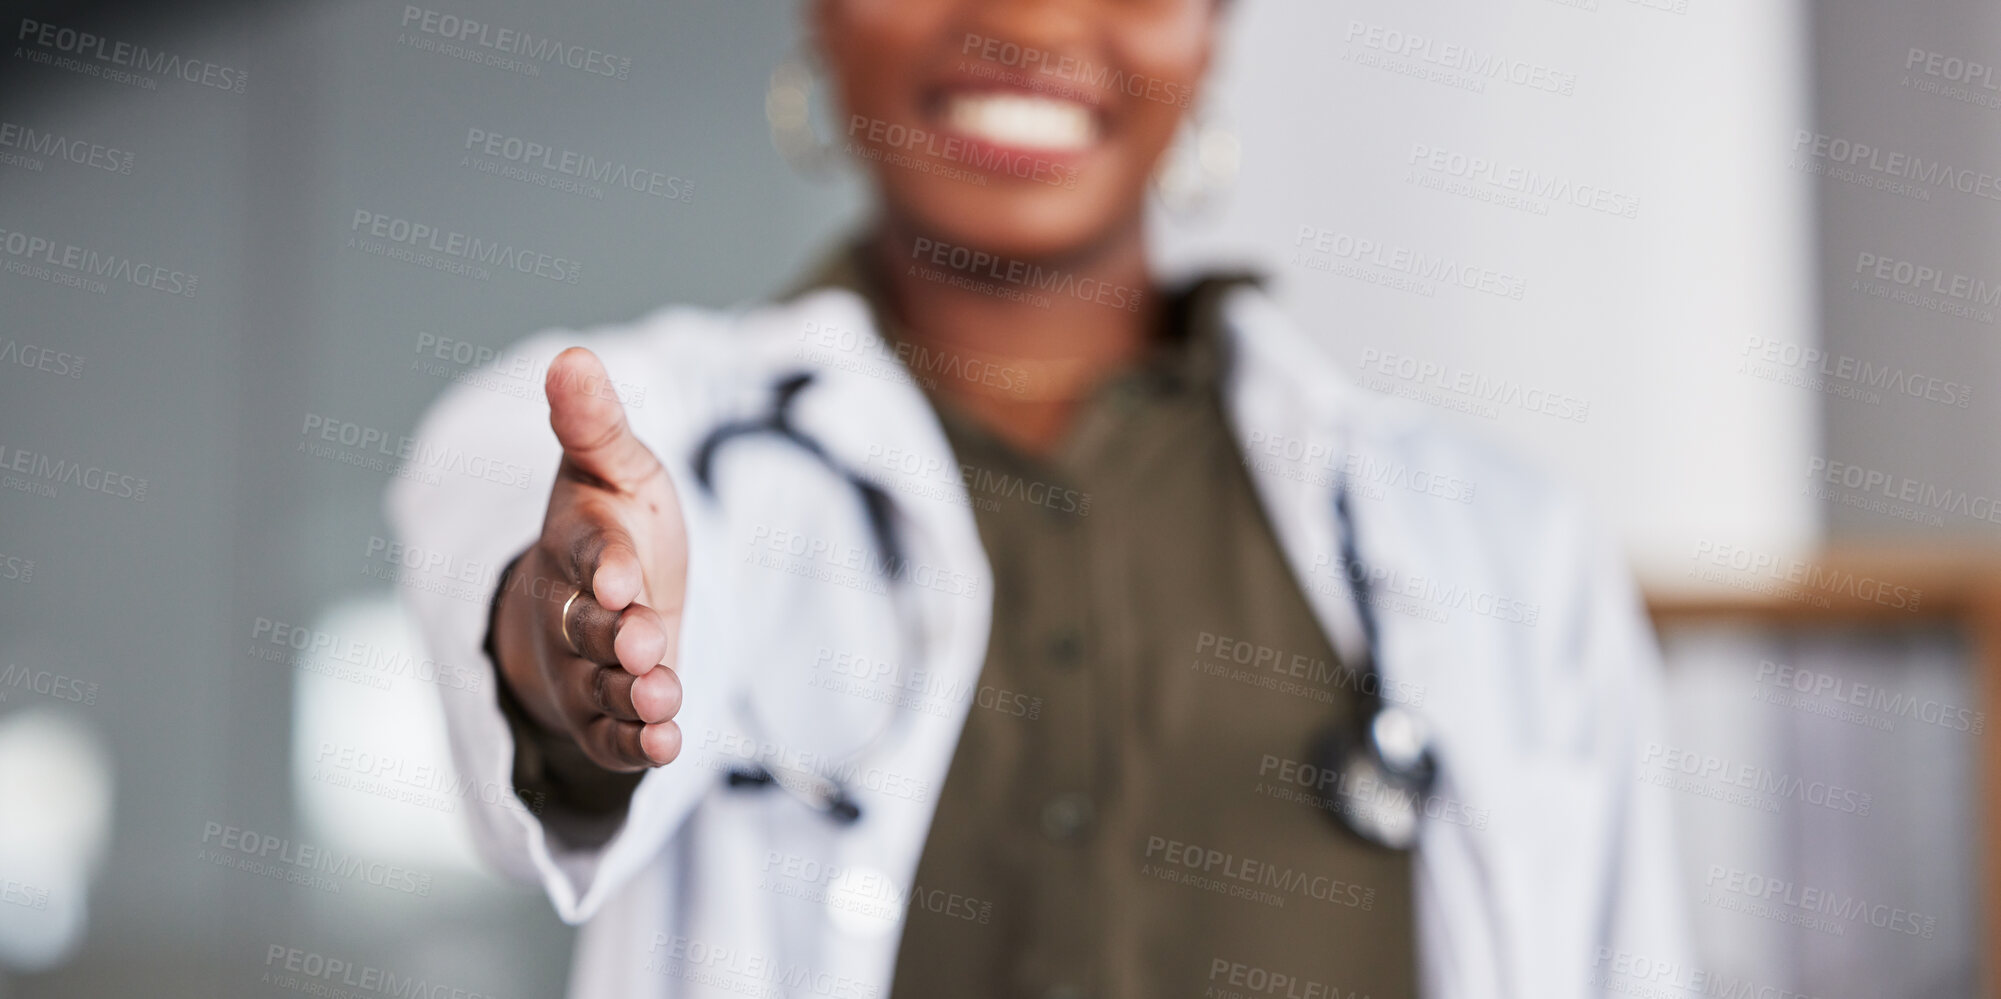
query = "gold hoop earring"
x=1199 y=168
x=788 y=107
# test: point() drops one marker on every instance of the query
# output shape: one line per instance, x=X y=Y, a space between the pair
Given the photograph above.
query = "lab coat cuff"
x=581 y=880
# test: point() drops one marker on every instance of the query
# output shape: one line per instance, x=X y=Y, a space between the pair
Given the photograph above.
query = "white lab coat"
x=1537 y=673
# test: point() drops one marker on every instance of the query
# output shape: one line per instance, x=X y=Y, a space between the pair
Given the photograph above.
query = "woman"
x=986 y=619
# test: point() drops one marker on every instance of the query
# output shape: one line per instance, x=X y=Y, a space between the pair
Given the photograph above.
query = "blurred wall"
x=169 y=601
x=1908 y=141
x=1621 y=221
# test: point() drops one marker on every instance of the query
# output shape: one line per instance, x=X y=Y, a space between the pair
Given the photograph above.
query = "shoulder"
x=1285 y=377
x=1445 y=505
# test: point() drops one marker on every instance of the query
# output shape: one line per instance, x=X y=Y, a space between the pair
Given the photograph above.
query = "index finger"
x=590 y=541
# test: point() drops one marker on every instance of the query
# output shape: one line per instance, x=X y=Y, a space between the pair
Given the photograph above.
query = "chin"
x=1029 y=226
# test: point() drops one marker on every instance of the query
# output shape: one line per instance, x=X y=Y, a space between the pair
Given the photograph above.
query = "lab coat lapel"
x=864 y=411
x=1300 y=422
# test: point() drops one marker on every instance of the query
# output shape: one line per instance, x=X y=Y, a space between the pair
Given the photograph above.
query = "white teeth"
x=1022 y=121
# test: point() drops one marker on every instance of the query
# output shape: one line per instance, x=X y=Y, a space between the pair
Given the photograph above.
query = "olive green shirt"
x=1127 y=813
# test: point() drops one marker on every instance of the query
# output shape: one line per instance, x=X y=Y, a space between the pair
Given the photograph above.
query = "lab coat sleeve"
x=1645 y=923
x=663 y=371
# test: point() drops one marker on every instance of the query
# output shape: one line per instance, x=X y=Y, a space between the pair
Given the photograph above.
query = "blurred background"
x=1754 y=245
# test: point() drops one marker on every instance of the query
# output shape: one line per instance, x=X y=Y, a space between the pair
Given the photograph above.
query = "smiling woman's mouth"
x=1014 y=120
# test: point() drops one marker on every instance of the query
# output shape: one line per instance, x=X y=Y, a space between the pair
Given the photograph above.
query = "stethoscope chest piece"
x=1383 y=773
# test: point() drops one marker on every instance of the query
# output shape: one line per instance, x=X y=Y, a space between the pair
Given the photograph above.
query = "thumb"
x=590 y=422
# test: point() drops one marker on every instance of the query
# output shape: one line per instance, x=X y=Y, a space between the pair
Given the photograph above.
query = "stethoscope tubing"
x=827 y=794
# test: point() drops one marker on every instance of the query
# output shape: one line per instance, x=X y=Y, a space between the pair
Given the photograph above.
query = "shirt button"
x=1066 y=815
x=1066 y=648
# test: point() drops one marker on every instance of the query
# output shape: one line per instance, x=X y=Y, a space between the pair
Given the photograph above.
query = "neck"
x=1024 y=363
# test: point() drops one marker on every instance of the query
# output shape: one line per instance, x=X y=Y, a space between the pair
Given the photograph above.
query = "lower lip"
x=981 y=150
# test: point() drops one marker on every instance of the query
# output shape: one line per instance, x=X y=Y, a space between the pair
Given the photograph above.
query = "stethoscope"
x=1383 y=758
x=825 y=792
x=1383 y=764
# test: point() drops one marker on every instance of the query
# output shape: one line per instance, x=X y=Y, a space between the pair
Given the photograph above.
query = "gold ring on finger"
x=567 y=604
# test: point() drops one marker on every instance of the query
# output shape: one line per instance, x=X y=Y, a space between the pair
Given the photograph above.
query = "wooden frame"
x=1960 y=587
